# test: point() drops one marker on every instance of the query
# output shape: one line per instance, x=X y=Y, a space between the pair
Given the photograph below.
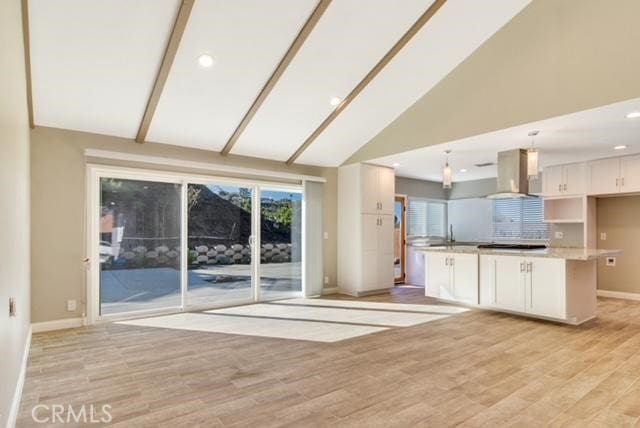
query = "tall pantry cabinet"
x=366 y=196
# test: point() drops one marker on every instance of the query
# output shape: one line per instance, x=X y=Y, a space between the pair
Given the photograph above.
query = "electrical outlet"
x=559 y=235
x=71 y=305
x=611 y=261
x=326 y=235
x=603 y=236
x=326 y=280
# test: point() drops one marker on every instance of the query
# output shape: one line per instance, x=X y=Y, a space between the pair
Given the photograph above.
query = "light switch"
x=326 y=235
x=611 y=261
x=559 y=235
x=603 y=236
x=71 y=305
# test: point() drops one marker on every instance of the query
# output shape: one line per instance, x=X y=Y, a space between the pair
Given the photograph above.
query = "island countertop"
x=550 y=252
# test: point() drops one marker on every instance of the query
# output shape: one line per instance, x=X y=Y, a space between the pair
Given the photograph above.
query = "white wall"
x=14 y=204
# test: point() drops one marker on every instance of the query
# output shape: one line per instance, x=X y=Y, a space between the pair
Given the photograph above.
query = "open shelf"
x=565 y=210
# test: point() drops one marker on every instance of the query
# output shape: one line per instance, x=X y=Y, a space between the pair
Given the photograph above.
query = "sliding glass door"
x=139 y=245
x=219 y=238
x=281 y=243
x=167 y=243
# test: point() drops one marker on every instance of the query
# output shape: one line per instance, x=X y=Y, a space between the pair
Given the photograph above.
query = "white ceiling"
x=345 y=45
x=201 y=107
x=456 y=30
x=576 y=137
x=95 y=62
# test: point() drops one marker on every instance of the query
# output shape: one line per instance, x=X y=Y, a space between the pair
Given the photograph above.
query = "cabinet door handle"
x=446 y=261
x=622 y=181
x=522 y=267
x=617 y=181
x=529 y=266
x=560 y=187
x=565 y=187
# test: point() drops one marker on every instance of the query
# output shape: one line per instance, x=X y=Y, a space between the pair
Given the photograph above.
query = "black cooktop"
x=513 y=246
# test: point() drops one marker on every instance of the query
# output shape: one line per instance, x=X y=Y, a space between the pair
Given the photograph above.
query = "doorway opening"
x=400 y=239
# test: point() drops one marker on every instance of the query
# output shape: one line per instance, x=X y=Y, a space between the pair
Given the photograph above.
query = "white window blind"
x=426 y=218
x=519 y=219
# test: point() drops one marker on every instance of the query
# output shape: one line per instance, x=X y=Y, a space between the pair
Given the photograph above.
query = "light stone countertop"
x=552 y=252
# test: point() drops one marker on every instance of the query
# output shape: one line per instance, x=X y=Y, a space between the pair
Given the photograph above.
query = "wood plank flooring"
x=472 y=369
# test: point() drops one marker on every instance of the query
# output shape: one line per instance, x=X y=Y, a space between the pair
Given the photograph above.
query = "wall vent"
x=482 y=165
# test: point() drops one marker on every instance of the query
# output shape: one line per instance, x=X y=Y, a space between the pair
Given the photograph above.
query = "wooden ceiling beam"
x=165 y=67
x=277 y=73
x=26 y=37
x=386 y=59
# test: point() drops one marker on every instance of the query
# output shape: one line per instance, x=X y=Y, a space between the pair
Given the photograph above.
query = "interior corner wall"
x=14 y=205
x=58 y=167
x=416 y=188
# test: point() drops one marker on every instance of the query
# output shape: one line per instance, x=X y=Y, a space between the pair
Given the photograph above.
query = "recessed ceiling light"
x=335 y=101
x=205 y=61
x=463 y=170
x=620 y=147
x=396 y=164
x=633 y=115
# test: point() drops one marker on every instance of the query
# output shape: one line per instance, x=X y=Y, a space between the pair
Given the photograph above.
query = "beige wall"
x=14 y=203
x=619 y=218
x=58 y=197
x=555 y=57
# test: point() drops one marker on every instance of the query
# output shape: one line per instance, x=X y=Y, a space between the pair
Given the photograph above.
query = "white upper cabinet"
x=386 y=190
x=575 y=179
x=552 y=181
x=630 y=174
x=615 y=175
x=369 y=202
x=378 y=189
x=564 y=180
x=604 y=176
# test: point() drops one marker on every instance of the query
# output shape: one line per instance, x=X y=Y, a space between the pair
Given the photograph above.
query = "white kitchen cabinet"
x=508 y=283
x=630 y=174
x=545 y=287
x=615 y=175
x=552 y=178
x=604 y=176
x=532 y=285
x=465 y=278
x=438 y=275
x=564 y=180
x=365 y=229
x=452 y=276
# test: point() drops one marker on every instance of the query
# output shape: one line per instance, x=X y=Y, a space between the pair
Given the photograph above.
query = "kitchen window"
x=519 y=219
x=427 y=218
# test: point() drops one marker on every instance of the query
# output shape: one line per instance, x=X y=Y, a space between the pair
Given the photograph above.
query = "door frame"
x=91 y=289
x=403 y=199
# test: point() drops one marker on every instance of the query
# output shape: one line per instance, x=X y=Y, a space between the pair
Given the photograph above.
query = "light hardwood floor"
x=476 y=368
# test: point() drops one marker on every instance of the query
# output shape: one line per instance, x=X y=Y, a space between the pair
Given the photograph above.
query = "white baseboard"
x=39 y=327
x=17 y=395
x=333 y=290
x=619 y=294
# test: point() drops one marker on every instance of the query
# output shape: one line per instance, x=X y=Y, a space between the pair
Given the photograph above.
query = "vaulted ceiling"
x=276 y=66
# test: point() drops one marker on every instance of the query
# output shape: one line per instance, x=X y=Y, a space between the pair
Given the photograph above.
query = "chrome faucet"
x=451 y=237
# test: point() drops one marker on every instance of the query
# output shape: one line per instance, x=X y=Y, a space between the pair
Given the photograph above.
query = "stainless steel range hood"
x=512 y=175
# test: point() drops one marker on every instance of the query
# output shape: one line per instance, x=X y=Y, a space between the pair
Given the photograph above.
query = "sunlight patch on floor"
x=319 y=320
x=246 y=326
x=361 y=304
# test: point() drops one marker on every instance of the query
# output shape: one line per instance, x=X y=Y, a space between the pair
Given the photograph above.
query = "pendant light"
x=532 y=157
x=446 y=173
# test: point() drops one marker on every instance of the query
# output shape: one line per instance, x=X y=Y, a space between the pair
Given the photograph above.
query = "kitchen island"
x=558 y=284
